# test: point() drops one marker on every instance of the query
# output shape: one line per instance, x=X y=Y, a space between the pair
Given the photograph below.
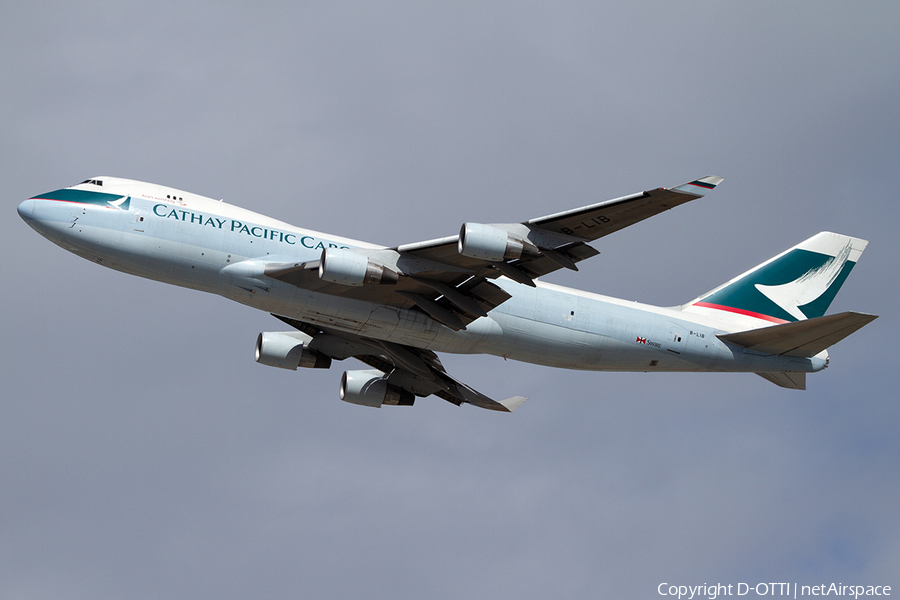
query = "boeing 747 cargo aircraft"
x=395 y=308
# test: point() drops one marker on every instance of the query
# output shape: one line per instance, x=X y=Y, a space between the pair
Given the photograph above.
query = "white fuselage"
x=196 y=242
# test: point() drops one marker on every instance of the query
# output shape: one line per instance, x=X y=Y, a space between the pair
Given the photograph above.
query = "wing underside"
x=413 y=370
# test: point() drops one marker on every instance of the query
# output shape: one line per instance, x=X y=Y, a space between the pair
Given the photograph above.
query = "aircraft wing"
x=415 y=370
x=598 y=220
x=560 y=239
x=449 y=278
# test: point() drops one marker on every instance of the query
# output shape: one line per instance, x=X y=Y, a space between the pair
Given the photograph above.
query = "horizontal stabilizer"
x=791 y=380
x=801 y=338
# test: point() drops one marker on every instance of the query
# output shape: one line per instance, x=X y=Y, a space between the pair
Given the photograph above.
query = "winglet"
x=513 y=403
x=700 y=187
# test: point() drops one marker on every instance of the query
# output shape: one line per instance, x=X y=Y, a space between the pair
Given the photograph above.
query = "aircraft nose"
x=26 y=210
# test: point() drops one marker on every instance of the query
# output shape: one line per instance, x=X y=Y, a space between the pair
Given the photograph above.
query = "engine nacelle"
x=487 y=242
x=371 y=388
x=342 y=265
x=288 y=350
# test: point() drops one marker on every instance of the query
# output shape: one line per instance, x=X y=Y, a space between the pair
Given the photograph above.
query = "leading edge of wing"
x=597 y=220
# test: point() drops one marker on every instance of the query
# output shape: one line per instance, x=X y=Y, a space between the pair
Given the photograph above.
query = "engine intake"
x=493 y=244
x=288 y=350
x=342 y=265
x=371 y=388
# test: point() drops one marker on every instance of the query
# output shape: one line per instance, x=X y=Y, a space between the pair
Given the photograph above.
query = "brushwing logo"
x=118 y=203
x=808 y=287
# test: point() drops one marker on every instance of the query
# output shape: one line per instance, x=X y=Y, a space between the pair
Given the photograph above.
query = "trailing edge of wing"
x=801 y=338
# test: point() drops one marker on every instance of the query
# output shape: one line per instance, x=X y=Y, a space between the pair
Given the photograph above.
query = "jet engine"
x=371 y=388
x=342 y=265
x=487 y=242
x=288 y=350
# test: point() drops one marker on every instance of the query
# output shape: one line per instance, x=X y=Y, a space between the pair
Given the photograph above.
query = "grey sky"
x=143 y=454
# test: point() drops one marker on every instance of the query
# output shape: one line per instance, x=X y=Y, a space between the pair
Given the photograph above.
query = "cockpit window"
x=93 y=181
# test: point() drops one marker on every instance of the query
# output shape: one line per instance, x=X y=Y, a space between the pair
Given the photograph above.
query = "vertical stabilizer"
x=796 y=285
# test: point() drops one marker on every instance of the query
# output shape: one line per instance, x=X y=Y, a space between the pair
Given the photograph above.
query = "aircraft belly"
x=358 y=317
x=544 y=343
x=413 y=329
x=163 y=260
x=401 y=326
x=483 y=335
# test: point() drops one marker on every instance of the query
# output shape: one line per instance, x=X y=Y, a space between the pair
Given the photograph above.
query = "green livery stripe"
x=84 y=197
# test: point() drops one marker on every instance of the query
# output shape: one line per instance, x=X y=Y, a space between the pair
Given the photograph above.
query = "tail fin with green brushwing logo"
x=796 y=285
